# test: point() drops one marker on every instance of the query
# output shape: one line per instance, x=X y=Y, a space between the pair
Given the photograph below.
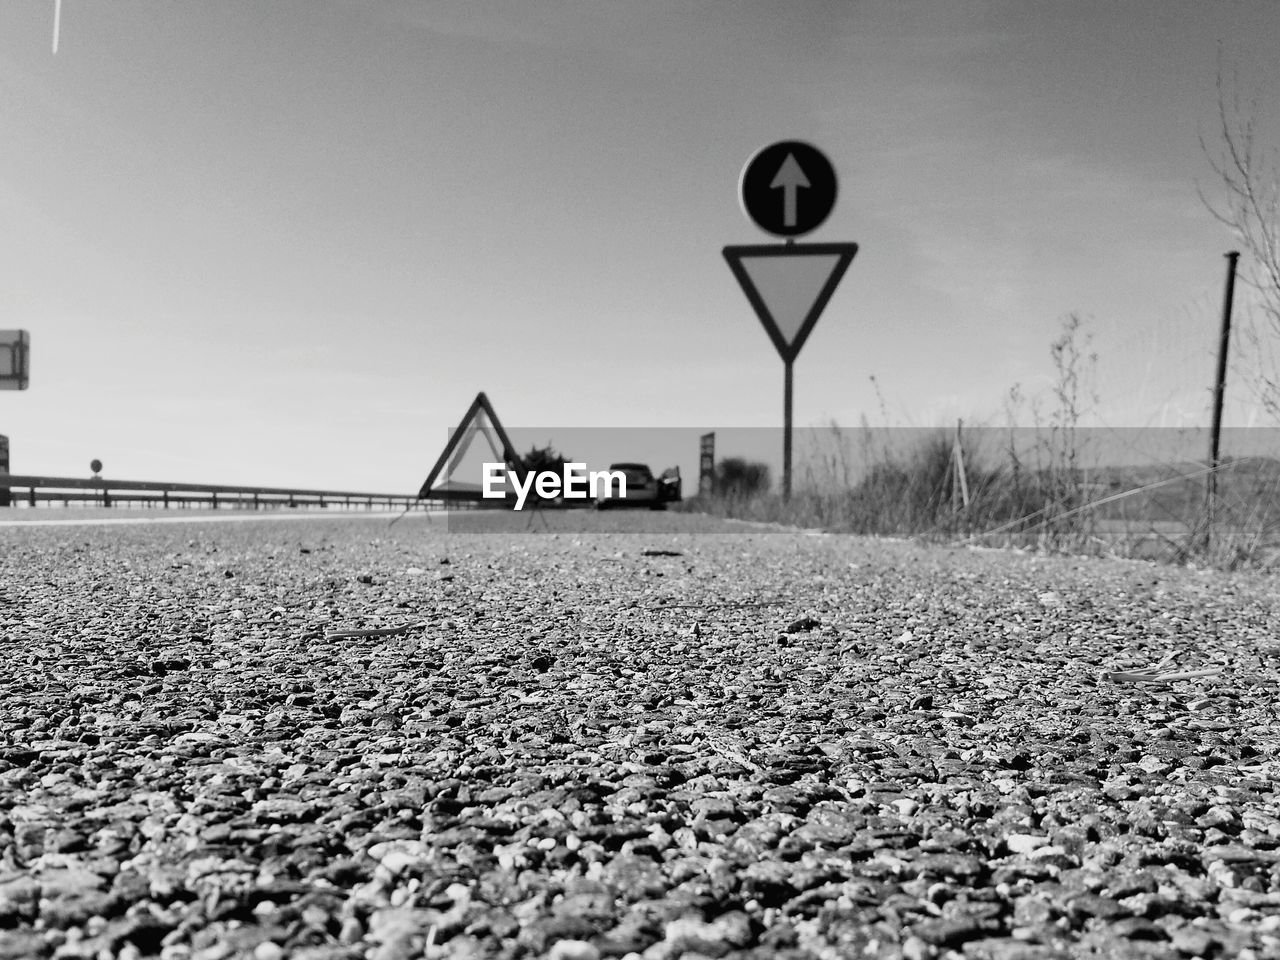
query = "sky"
x=286 y=243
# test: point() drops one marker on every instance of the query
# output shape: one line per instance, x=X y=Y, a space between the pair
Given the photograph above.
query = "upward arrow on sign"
x=789 y=286
x=789 y=178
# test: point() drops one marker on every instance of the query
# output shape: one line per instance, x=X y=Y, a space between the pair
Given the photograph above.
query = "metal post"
x=1219 y=390
x=786 y=435
x=6 y=498
x=959 y=482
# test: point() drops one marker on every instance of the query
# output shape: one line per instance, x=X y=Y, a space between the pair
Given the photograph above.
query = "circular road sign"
x=788 y=188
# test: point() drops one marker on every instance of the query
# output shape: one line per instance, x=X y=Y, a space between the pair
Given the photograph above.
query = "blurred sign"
x=789 y=285
x=788 y=188
x=15 y=359
x=707 y=465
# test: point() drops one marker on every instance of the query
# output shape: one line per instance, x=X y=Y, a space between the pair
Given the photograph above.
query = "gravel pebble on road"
x=660 y=744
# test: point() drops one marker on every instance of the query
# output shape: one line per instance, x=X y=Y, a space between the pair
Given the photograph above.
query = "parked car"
x=643 y=488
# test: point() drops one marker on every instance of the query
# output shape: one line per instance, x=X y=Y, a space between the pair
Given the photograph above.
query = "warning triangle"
x=462 y=471
x=789 y=285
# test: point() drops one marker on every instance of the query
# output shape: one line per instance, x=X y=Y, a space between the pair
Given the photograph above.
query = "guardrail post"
x=166 y=499
x=106 y=497
x=31 y=497
x=255 y=501
x=215 y=499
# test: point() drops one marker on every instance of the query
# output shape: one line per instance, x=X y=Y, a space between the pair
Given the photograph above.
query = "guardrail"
x=32 y=491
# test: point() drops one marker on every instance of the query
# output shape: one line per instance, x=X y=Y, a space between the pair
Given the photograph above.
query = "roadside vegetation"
x=1053 y=486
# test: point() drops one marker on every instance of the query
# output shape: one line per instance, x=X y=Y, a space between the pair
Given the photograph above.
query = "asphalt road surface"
x=699 y=740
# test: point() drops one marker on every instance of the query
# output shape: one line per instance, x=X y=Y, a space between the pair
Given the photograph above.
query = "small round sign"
x=788 y=188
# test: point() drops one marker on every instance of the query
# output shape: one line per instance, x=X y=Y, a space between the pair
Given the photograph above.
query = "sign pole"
x=786 y=432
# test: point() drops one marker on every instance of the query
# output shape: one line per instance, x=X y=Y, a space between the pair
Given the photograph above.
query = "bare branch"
x=1248 y=176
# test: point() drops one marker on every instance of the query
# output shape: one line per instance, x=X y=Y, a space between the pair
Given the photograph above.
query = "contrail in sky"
x=57 y=22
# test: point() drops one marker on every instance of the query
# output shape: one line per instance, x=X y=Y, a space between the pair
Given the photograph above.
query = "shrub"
x=741 y=478
x=539 y=459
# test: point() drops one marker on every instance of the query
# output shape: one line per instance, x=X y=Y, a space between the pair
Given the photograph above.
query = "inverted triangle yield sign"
x=789 y=285
x=479 y=419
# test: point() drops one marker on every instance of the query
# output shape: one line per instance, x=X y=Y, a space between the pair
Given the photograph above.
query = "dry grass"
x=902 y=483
